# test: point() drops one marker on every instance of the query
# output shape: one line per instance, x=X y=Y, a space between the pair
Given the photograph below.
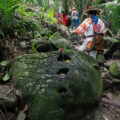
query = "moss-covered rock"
x=52 y=80
x=109 y=41
x=115 y=69
x=52 y=44
x=100 y=58
x=61 y=43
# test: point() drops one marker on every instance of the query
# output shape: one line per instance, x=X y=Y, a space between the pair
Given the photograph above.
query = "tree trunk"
x=65 y=6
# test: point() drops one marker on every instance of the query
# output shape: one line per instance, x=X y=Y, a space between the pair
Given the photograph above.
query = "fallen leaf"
x=4 y=63
x=105 y=118
x=6 y=77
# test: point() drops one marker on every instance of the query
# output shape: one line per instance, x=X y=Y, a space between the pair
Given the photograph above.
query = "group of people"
x=93 y=28
x=63 y=18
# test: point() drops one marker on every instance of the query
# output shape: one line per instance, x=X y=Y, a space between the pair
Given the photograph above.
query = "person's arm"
x=104 y=29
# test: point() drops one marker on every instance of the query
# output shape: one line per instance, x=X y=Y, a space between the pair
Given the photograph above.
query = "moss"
x=100 y=58
x=46 y=91
x=48 y=104
x=115 y=69
x=61 y=43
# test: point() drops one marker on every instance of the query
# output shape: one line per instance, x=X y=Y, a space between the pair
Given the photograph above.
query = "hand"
x=72 y=31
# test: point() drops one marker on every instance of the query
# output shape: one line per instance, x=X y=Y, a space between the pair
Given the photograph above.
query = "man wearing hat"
x=89 y=27
x=75 y=17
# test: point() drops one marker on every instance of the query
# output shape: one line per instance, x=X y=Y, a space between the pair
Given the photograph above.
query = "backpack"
x=98 y=40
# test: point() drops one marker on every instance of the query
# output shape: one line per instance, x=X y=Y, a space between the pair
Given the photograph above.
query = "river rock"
x=50 y=82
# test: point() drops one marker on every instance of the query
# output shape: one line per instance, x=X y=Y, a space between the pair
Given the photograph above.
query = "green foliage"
x=49 y=16
x=23 y=11
x=7 y=18
x=37 y=35
x=29 y=21
x=6 y=77
x=81 y=5
x=33 y=47
x=114 y=15
x=4 y=63
x=114 y=69
x=95 y=2
x=43 y=3
x=31 y=1
x=111 y=15
x=42 y=14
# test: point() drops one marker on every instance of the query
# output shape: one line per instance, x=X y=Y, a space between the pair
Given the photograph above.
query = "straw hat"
x=98 y=10
x=74 y=8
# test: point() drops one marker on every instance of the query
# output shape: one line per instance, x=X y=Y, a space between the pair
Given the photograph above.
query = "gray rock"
x=23 y=44
x=7 y=98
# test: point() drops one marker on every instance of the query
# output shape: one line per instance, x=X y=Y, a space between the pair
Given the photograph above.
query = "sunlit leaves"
x=6 y=77
x=4 y=63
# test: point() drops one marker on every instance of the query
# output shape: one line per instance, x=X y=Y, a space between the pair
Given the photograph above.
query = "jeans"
x=74 y=23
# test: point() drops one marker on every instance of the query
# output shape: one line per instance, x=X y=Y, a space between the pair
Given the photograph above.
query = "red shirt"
x=58 y=15
x=64 y=21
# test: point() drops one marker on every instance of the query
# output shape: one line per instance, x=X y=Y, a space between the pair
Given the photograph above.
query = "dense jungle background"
x=42 y=77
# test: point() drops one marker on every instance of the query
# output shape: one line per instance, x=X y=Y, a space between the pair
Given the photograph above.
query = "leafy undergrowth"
x=28 y=27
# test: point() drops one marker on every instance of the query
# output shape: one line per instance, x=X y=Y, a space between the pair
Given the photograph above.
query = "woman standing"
x=64 y=18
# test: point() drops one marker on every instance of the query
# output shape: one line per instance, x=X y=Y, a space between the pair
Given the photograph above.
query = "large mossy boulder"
x=53 y=81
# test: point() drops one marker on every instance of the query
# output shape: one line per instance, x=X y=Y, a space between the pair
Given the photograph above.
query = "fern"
x=7 y=9
x=113 y=9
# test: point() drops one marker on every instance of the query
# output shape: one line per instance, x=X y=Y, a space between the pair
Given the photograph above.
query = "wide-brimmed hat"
x=74 y=8
x=98 y=10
